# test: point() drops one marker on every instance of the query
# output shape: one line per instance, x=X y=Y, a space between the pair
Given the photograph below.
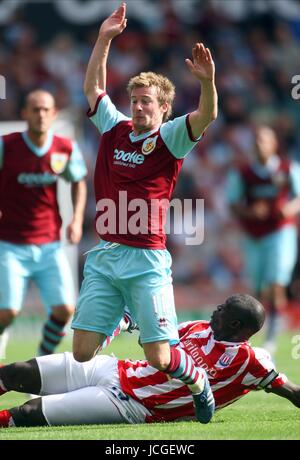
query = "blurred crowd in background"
x=256 y=53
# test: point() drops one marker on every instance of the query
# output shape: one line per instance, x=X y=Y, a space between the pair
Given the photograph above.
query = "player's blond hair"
x=164 y=88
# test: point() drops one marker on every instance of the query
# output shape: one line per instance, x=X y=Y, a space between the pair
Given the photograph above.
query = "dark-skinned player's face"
x=221 y=320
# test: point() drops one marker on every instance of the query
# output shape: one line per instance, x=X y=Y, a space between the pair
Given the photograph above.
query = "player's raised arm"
x=203 y=68
x=95 y=79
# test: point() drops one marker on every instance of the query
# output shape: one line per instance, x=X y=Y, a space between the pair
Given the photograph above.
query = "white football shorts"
x=76 y=393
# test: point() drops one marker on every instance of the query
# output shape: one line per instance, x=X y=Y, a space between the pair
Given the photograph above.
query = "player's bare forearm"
x=95 y=79
x=207 y=111
x=74 y=229
x=202 y=67
x=289 y=391
x=79 y=196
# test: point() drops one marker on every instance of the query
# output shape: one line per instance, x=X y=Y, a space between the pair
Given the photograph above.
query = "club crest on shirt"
x=58 y=162
x=149 y=145
x=225 y=360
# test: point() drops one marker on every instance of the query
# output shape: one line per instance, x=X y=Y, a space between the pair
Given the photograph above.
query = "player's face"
x=147 y=113
x=266 y=143
x=220 y=322
x=39 y=113
x=216 y=318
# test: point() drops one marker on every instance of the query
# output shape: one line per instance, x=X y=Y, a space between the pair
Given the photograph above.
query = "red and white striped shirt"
x=233 y=368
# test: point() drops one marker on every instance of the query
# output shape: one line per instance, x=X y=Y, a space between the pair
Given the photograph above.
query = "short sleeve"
x=177 y=135
x=262 y=374
x=76 y=169
x=105 y=115
x=234 y=189
x=184 y=327
x=295 y=178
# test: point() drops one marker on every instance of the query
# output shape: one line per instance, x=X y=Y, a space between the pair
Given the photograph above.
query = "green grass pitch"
x=256 y=416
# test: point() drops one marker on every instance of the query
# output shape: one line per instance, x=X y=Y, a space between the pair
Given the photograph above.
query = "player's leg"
x=14 y=273
x=86 y=340
x=280 y=255
x=100 y=306
x=90 y=396
x=90 y=405
x=56 y=374
x=80 y=392
x=150 y=294
x=28 y=414
x=23 y=377
x=254 y=264
x=54 y=328
x=54 y=280
x=127 y=324
x=276 y=302
x=86 y=344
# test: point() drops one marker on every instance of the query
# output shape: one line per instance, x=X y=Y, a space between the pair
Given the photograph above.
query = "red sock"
x=5 y=416
x=175 y=360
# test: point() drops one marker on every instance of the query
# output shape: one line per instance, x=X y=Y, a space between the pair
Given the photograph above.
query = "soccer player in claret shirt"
x=139 y=158
x=108 y=390
x=30 y=248
x=265 y=196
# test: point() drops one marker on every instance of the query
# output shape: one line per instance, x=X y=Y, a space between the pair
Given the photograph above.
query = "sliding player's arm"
x=95 y=79
x=288 y=390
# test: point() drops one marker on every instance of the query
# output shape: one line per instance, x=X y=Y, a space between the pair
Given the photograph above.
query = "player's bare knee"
x=82 y=355
x=63 y=312
x=158 y=354
x=86 y=344
x=159 y=362
x=6 y=317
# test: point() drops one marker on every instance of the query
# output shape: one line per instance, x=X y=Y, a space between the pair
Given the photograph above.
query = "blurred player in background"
x=108 y=390
x=141 y=158
x=265 y=197
x=30 y=248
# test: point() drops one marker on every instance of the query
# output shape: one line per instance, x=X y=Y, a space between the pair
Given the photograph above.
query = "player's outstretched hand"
x=202 y=66
x=114 y=24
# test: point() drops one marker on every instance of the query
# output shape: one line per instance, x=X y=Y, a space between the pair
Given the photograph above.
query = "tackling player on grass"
x=139 y=157
x=108 y=390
